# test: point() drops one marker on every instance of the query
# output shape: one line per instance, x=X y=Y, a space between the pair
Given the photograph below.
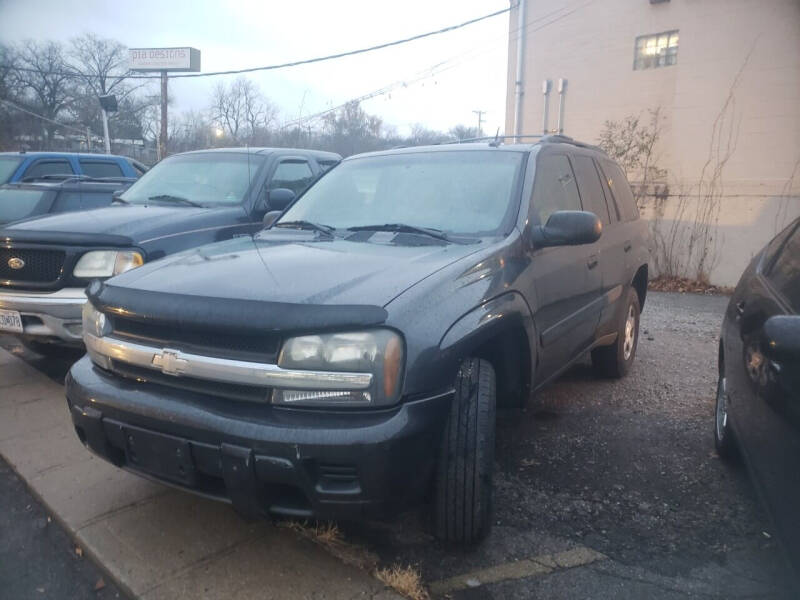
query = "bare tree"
x=240 y=109
x=45 y=83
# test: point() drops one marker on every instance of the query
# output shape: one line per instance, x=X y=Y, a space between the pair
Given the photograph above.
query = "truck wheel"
x=723 y=435
x=616 y=360
x=463 y=491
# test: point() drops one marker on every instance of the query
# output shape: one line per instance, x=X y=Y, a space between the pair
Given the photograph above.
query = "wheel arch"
x=501 y=332
x=639 y=283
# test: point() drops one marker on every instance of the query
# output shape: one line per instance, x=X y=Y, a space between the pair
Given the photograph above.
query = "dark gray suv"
x=348 y=359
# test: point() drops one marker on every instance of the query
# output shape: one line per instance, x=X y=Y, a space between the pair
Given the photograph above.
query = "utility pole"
x=162 y=142
x=106 y=139
x=480 y=114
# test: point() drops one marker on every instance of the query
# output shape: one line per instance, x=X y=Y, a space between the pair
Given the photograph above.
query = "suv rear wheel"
x=462 y=503
x=616 y=360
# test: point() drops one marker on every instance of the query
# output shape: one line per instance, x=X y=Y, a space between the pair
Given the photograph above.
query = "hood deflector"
x=229 y=315
x=65 y=238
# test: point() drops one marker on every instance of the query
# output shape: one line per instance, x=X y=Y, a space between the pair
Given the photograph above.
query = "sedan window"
x=784 y=274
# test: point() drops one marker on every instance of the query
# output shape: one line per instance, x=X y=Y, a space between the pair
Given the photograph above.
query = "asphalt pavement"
x=605 y=489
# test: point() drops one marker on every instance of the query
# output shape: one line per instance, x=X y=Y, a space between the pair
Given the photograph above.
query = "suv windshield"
x=8 y=164
x=16 y=204
x=466 y=192
x=213 y=179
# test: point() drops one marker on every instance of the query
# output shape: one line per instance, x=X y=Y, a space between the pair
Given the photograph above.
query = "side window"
x=594 y=199
x=295 y=175
x=784 y=275
x=69 y=201
x=48 y=167
x=554 y=188
x=326 y=165
x=100 y=168
x=620 y=190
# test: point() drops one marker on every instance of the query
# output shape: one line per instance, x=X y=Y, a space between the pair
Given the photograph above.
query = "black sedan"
x=758 y=395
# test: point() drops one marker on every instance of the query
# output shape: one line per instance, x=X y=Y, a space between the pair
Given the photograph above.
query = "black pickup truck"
x=185 y=201
x=348 y=359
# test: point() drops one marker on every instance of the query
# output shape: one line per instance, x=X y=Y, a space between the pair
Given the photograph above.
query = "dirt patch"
x=684 y=285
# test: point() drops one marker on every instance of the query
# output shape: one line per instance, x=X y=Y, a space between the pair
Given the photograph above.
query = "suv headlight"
x=106 y=263
x=96 y=324
x=379 y=352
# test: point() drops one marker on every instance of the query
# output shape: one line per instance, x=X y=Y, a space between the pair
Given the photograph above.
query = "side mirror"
x=118 y=193
x=781 y=341
x=271 y=217
x=280 y=198
x=568 y=228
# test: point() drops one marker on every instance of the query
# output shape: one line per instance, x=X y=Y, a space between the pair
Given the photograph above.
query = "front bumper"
x=48 y=316
x=262 y=458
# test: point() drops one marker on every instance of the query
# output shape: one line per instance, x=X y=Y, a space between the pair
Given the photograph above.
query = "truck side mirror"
x=568 y=228
x=280 y=198
x=781 y=341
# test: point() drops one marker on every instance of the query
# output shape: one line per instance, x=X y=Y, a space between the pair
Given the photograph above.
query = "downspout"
x=519 y=84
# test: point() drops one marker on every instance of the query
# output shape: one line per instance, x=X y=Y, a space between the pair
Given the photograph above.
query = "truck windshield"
x=8 y=164
x=213 y=179
x=468 y=192
x=16 y=204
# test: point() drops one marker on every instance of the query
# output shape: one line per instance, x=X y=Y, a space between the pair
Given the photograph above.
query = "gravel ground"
x=626 y=468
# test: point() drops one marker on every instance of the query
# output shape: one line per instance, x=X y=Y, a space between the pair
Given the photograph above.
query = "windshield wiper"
x=326 y=229
x=171 y=198
x=404 y=228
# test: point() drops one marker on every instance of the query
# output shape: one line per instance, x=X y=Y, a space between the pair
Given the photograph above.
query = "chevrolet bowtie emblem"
x=170 y=362
x=16 y=263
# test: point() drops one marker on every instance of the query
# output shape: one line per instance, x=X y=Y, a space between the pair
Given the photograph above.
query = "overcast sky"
x=471 y=71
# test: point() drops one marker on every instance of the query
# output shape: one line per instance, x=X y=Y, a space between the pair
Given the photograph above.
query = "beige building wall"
x=730 y=109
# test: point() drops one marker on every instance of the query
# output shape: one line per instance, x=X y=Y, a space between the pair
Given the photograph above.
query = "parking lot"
x=603 y=489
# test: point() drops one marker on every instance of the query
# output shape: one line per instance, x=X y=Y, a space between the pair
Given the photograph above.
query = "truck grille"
x=39 y=266
x=261 y=347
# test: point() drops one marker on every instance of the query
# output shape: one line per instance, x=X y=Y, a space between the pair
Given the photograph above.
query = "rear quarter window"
x=100 y=168
x=620 y=190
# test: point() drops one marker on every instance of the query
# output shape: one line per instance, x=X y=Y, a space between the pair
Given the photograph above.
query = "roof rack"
x=557 y=138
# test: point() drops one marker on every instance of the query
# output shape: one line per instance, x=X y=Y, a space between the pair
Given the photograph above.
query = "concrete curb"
x=152 y=541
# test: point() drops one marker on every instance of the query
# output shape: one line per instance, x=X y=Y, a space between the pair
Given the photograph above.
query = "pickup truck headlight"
x=96 y=324
x=106 y=263
x=379 y=352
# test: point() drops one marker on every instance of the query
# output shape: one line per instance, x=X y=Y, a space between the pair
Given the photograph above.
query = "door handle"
x=627 y=246
x=592 y=262
x=740 y=308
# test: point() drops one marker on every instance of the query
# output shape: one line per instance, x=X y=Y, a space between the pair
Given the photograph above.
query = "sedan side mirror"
x=280 y=198
x=271 y=217
x=568 y=228
x=781 y=341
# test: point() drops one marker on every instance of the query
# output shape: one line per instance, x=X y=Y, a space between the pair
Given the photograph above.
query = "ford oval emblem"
x=16 y=263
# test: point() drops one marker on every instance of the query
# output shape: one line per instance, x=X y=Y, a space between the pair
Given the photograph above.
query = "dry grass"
x=684 y=285
x=405 y=580
x=330 y=537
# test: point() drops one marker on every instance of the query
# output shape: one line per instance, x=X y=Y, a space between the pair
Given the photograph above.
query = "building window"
x=657 y=50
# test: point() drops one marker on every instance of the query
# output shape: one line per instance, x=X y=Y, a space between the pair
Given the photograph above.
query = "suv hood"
x=132 y=222
x=305 y=270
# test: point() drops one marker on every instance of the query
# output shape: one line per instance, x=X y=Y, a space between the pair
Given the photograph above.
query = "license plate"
x=160 y=455
x=10 y=321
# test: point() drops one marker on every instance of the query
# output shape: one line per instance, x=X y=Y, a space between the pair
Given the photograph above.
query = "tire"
x=463 y=487
x=724 y=440
x=616 y=360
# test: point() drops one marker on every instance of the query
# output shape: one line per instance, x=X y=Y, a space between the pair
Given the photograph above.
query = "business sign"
x=164 y=59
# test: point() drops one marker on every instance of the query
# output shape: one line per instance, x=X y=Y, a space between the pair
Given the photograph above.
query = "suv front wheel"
x=462 y=503
x=616 y=360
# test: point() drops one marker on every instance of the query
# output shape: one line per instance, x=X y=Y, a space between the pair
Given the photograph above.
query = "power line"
x=295 y=63
x=49 y=120
x=455 y=60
